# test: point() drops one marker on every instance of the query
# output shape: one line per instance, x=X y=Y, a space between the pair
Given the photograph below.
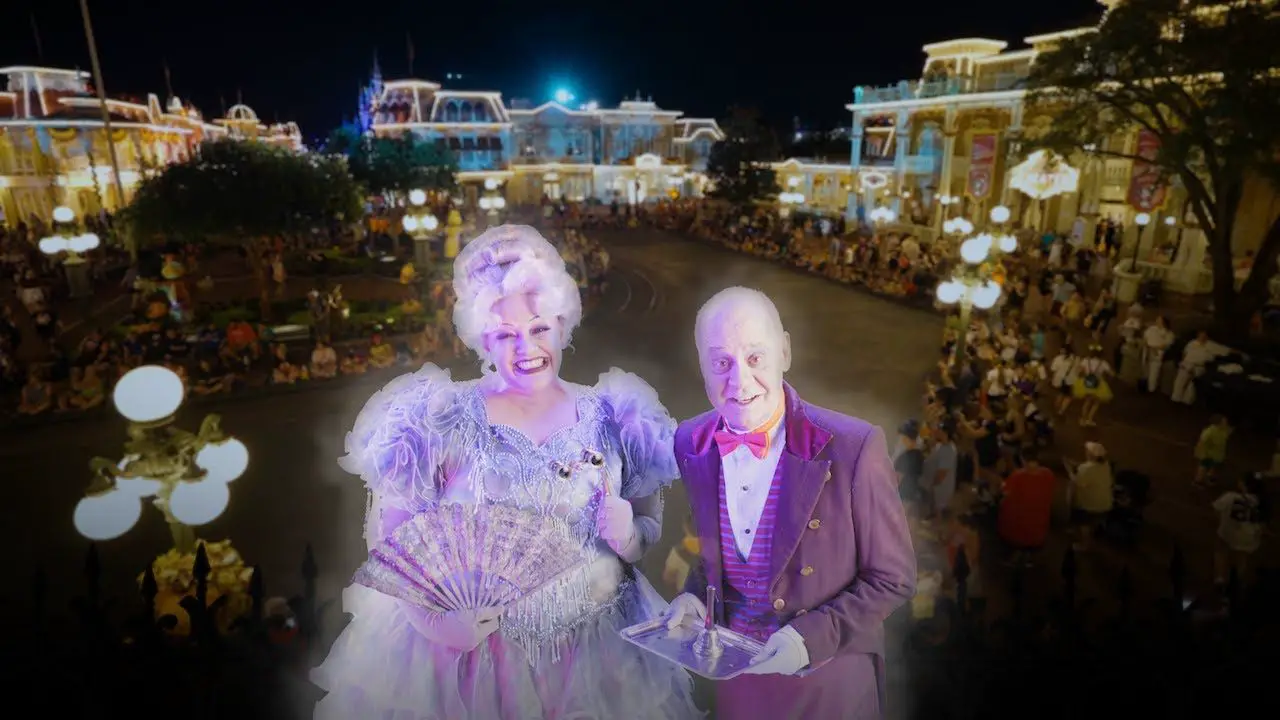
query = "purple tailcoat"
x=840 y=563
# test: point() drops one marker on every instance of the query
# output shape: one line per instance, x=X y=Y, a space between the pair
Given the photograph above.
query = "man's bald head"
x=743 y=352
x=733 y=300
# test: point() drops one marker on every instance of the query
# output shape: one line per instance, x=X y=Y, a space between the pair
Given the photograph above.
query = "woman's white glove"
x=615 y=522
x=685 y=605
x=462 y=630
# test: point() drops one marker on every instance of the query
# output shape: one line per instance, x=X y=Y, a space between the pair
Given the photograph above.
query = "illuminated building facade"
x=54 y=148
x=632 y=153
x=242 y=123
x=947 y=134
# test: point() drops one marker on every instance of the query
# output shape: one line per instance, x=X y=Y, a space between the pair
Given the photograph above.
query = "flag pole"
x=130 y=241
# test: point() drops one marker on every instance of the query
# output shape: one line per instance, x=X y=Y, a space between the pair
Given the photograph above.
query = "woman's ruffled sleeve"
x=645 y=431
x=399 y=440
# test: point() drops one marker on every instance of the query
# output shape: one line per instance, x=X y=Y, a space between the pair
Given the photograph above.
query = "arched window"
x=451 y=111
x=482 y=112
x=466 y=115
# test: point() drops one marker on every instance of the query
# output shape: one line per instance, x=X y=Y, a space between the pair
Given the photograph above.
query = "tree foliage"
x=238 y=190
x=1203 y=76
x=739 y=166
x=394 y=165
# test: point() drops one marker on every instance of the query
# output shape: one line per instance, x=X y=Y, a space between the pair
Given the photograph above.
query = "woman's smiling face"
x=523 y=346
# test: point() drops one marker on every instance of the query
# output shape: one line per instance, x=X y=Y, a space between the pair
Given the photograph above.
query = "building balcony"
x=550 y=160
x=921 y=89
x=472 y=160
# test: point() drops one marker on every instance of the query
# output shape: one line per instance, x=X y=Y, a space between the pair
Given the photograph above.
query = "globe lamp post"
x=492 y=203
x=185 y=475
x=882 y=215
x=970 y=287
x=421 y=225
x=66 y=240
x=1142 y=220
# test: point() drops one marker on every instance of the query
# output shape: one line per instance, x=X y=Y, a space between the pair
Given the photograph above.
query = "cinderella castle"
x=369 y=95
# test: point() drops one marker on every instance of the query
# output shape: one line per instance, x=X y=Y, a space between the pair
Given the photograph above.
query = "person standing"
x=1195 y=356
x=1092 y=493
x=1156 y=339
x=1242 y=515
x=940 y=470
x=1211 y=451
x=799 y=522
x=1025 y=509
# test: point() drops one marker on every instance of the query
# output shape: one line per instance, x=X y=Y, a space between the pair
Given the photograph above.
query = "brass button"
x=778 y=604
x=800 y=612
x=814 y=524
x=806 y=571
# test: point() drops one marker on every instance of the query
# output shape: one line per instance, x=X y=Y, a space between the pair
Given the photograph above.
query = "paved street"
x=858 y=353
x=853 y=352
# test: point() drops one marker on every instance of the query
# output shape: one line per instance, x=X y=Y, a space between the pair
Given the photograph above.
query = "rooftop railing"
x=920 y=89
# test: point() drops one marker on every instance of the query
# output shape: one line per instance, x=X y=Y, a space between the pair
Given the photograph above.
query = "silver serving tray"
x=676 y=645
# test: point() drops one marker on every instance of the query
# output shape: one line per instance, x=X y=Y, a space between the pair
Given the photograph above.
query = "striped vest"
x=747 y=605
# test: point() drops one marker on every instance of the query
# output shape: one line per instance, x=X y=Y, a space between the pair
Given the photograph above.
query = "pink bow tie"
x=757 y=442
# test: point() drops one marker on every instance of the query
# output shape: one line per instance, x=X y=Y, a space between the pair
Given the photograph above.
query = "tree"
x=232 y=190
x=244 y=193
x=394 y=165
x=1201 y=77
x=739 y=166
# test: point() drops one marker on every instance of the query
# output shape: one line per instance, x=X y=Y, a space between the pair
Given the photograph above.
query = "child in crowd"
x=1211 y=450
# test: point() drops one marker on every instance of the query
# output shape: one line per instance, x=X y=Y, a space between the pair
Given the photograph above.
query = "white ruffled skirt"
x=381 y=668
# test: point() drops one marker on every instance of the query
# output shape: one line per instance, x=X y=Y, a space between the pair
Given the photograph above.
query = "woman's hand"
x=615 y=522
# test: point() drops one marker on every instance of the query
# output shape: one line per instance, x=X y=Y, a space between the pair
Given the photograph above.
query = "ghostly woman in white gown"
x=426 y=439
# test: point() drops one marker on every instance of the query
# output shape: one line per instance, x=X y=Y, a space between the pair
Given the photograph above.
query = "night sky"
x=304 y=61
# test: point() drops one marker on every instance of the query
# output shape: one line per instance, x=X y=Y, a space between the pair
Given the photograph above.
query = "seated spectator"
x=183 y=375
x=176 y=347
x=324 y=361
x=1025 y=510
x=242 y=339
x=211 y=377
x=283 y=372
x=36 y=395
x=88 y=391
x=353 y=364
x=1092 y=493
x=381 y=353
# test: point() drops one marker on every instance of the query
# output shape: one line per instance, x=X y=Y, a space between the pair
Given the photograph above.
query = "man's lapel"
x=701 y=472
x=803 y=478
x=802 y=483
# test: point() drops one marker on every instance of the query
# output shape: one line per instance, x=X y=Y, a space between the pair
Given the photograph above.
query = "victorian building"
x=54 y=148
x=632 y=153
x=947 y=136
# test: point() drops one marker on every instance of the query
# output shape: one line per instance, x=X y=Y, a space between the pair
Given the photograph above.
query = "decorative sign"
x=1147 y=192
x=982 y=165
x=873 y=180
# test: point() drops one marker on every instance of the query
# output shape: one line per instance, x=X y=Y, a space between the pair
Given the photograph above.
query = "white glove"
x=615 y=522
x=460 y=629
x=685 y=605
x=783 y=654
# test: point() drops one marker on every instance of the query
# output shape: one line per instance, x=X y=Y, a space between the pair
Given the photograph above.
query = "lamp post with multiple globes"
x=882 y=215
x=420 y=224
x=492 y=202
x=66 y=239
x=185 y=474
x=972 y=285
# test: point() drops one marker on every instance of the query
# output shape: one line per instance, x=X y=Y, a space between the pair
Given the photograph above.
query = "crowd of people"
x=984 y=453
x=62 y=374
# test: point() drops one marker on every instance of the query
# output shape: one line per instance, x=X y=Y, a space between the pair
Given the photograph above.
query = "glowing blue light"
x=563 y=96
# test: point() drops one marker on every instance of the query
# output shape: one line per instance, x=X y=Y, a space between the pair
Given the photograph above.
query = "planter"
x=175 y=580
x=1125 y=283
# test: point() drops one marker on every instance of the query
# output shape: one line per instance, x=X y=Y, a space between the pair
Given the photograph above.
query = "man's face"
x=743 y=357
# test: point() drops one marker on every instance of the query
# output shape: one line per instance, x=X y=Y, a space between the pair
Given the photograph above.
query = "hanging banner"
x=982 y=165
x=1147 y=191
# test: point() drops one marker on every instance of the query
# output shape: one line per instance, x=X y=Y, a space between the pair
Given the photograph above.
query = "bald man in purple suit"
x=802 y=531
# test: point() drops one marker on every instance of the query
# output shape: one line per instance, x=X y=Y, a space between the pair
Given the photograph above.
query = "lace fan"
x=462 y=557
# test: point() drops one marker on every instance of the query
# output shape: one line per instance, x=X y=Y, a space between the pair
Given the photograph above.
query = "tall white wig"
x=505 y=261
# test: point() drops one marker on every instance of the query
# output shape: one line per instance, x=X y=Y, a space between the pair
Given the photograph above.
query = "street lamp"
x=1142 y=220
x=492 y=201
x=67 y=238
x=420 y=224
x=970 y=287
x=185 y=473
x=957 y=226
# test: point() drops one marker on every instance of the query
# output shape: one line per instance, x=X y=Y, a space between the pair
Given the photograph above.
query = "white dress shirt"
x=747 y=480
